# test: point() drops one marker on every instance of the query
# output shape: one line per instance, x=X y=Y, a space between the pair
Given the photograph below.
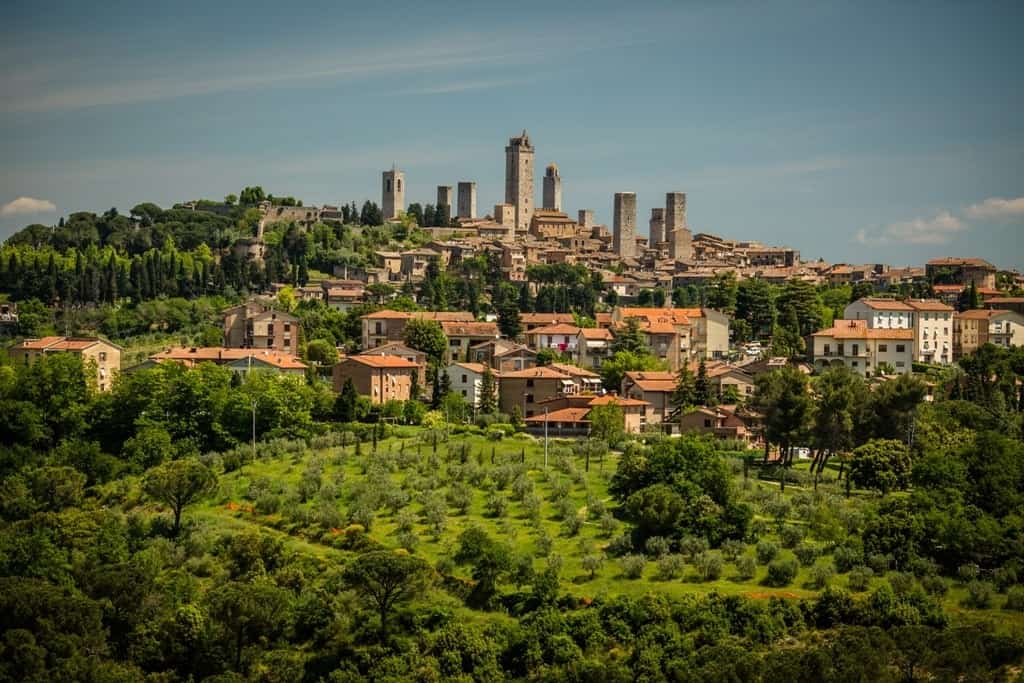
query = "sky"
x=854 y=132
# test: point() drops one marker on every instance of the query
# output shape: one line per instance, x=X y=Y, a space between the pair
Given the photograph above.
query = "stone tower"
x=552 y=188
x=657 y=225
x=467 y=200
x=392 y=194
x=585 y=219
x=676 y=231
x=444 y=202
x=624 y=226
x=519 y=180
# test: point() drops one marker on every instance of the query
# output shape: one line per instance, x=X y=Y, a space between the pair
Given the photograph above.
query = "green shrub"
x=671 y=566
x=968 y=572
x=935 y=585
x=860 y=578
x=656 y=546
x=746 y=567
x=806 y=554
x=979 y=594
x=766 y=552
x=880 y=563
x=709 y=565
x=1015 y=599
x=732 y=549
x=846 y=558
x=822 y=574
x=791 y=536
x=781 y=572
x=633 y=566
x=902 y=582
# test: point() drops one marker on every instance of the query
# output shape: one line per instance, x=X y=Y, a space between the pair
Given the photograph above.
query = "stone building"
x=505 y=215
x=380 y=378
x=585 y=219
x=624 y=224
x=677 y=233
x=253 y=325
x=552 y=188
x=392 y=193
x=657 y=225
x=519 y=180
x=467 y=200
x=98 y=354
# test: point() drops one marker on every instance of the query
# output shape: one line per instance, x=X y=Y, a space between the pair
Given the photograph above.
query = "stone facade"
x=676 y=230
x=467 y=200
x=552 y=188
x=519 y=156
x=445 y=197
x=624 y=225
x=585 y=219
x=392 y=193
x=657 y=225
x=505 y=215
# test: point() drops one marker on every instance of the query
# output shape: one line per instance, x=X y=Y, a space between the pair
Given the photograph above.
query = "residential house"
x=400 y=350
x=585 y=380
x=656 y=388
x=1006 y=303
x=386 y=326
x=462 y=335
x=503 y=355
x=96 y=353
x=974 y=328
x=534 y=320
x=379 y=378
x=863 y=349
x=570 y=415
x=560 y=337
x=254 y=325
x=593 y=346
x=958 y=270
x=933 y=331
x=467 y=380
x=723 y=422
x=526 y=389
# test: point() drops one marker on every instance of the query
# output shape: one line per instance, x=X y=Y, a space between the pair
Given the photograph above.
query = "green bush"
x=846 y=558
x=633 y=566
x=746 y=567
x=671 y=566
x=860 y=578
x=806 y=554
x=935 y=585
x=1015 y=599
x=791 y=536
x=822 y=575
x=979 y=595
x=766 y=552
x=656 y=546
x=709 y=565
x=781 y=572
x=902 y=582
x=968 y=572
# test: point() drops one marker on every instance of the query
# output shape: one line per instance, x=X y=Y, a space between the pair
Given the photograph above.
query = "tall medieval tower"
x=624 y=224
x=552 y=188
x=519 y=180
x=392 y=194
x=676 y=231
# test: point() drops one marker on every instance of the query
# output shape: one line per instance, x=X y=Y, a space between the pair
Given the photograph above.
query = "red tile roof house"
x=239 y=360
x=569 y=415
x=379 y=378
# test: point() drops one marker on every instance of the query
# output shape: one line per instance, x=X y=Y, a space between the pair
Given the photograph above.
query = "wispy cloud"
x=461 y=86
x=27 y=205
x=996 y=208
x=938 y=229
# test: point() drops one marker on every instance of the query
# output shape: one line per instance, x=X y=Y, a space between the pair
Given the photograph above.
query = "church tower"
x=552 y=188
x=392 y=194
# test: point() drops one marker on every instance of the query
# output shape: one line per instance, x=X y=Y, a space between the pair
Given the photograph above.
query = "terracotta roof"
x=545 y=318
x=440 y=316
x=596 y=333
x=958 y=261
x=573 y=370
x=40 y=343
x=220 y=354
x=858 y=329
x=562 y=415
x=610 y=399
x=950 y=289
x=983 y=313
x=880 y=304
x=478 y=368
x=1005 y=300
x=543 y=372
x=559 y=328
x=391 y=349
x=461 y=329
x=928 y=305
x=653 y=381
x=395 y=362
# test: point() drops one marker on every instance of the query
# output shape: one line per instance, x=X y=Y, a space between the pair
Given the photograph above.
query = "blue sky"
x=856 y=132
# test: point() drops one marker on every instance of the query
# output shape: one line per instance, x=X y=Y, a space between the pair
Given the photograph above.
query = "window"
x=707 y=422
x=529 y=382
x=287 y=342
x=464 y=380
x=827 y=349
x=529 y=398
x=945 y=330
x=900 y=348
x=882 y=348
x=856 y=350
x=103 y=356
x=378 y=327
x=463 y=393
x=900 y=364
x=854 y=363
x=287 y=327
x=270 y=343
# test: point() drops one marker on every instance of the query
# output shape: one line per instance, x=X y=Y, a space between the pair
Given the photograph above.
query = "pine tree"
x=488 y=398
x=685 y=393
x=702 y=386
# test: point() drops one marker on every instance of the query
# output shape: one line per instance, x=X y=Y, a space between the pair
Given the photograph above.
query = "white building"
x=863 y=349
x=931 y=322
x=558 y=337
x=933 y=331
x=468 y=379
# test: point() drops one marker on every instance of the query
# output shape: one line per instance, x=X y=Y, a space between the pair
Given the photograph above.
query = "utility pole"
x=545 y=437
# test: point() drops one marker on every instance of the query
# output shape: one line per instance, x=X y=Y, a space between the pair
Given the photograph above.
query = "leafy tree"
x=783 y=398
x=387 y=578
x=754 y=306
x=321 y=352
x=722 y=292
x=179 y=483
x=880 y=464
x=249 y=613
x=509 y=322
x=840 y=413
x=616 y=367
x=895 y=404
x=685 y=393
x=607 y=423
x=490 y=560
x=426 y=336
x=629 y=339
